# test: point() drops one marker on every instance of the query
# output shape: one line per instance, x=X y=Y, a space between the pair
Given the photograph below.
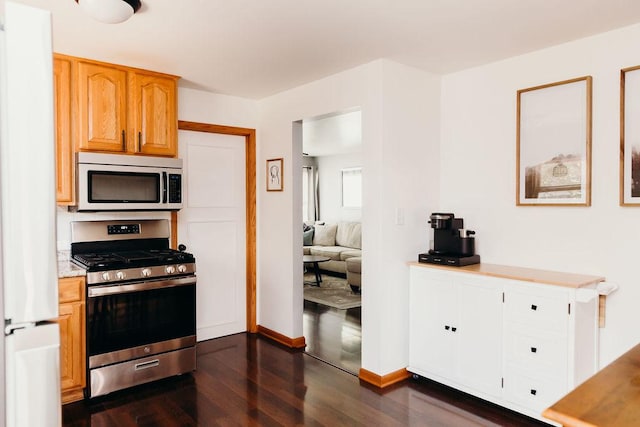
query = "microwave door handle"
x=165 y=185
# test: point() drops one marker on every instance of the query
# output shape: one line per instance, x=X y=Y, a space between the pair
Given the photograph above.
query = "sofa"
x=338 y=241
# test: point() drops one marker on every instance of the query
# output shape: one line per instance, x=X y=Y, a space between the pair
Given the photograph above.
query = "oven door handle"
x=98 y=291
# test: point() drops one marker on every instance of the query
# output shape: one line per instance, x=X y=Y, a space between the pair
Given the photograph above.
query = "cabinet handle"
x=446 y=327
x=453 y=329
x=533 y=392
x=139 y=142
x=534 y=307
x=124 y=141
x=534 y=350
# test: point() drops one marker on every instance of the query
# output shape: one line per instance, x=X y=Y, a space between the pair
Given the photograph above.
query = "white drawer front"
x=545 y=354
x=531 y=391
x=541 y=311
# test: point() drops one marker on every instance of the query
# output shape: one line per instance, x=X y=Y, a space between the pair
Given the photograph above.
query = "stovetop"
x=103 y=261
x=121 y=251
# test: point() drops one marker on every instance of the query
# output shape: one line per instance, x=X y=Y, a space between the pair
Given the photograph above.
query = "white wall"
x=330 y=186
x=195 y=106
x=478 y=174
x=400 y=132
x=205 y=107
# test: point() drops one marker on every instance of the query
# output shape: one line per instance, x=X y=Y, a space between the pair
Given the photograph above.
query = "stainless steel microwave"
x=117 y=182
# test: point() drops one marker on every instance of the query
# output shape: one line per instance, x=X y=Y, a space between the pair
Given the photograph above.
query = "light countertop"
x=547 y=277
x=67 y=268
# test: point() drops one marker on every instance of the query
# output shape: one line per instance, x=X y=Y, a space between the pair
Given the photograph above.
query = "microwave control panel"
x=175 y=188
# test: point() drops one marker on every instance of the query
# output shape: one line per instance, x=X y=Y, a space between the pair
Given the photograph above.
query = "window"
x=352 y=188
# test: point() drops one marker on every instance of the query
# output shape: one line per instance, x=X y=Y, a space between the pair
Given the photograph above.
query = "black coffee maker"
x=452 y=243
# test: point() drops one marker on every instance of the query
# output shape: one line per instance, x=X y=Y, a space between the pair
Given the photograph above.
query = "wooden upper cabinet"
x=63 y=107
x=102 y=95
x=126 y=110
x=153 y=114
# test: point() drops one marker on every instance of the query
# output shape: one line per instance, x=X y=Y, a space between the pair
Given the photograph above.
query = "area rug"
x=333 y=292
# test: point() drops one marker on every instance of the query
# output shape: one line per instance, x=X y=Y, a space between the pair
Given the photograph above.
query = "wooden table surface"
x=533 y=275
x=611 y=398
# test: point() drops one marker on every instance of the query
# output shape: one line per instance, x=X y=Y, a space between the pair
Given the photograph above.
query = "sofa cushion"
x=325 y=235
x=349 y=234
x=350 y=253
x=354 y=265
x=332 y=252
x=307 y=237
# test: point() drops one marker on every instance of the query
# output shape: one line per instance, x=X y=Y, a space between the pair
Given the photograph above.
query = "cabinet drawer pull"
x=534 y=307
x=146 y=365
x=124 y=143
x=534 y=391
x=454 y=329
x=446 y=327
x=534 y=349
x=139 y=142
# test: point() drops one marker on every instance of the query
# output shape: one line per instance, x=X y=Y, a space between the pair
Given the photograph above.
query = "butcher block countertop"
x=547 y=277
x=610 y=398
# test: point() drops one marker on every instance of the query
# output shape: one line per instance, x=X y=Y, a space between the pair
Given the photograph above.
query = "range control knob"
x=106 y=276
x=120 y=275
x=146 y=272
x=170 y=269
x=182 y=268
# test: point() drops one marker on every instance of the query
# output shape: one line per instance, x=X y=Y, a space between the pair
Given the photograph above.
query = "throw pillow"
x=325 y=235
x=307 y=237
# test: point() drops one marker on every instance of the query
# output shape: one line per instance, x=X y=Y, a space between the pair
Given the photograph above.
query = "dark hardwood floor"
x=332 y=335
x=246 y=380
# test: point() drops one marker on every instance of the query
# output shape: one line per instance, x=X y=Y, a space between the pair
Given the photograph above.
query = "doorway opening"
x=332 y=242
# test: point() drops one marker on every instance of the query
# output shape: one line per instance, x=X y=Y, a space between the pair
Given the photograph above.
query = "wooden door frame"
x=250 y=177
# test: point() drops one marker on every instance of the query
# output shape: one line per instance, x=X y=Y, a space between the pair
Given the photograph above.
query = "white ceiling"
x=256 y=48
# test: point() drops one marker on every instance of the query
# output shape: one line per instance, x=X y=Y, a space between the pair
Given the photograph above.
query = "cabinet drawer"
x=70 y=289
x=544 y=354
x=545 y=311
x=531 y=391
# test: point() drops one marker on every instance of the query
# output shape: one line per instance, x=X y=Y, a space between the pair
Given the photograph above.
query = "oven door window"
x=123 y=187
x=120 y=321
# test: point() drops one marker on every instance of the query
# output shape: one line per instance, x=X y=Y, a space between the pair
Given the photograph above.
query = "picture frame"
x=553 y=144
x=275 y=174
x=629 y=136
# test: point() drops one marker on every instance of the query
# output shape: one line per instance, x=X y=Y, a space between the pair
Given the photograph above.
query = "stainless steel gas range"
x=141 y=303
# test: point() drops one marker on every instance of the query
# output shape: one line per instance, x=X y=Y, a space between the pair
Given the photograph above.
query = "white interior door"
x=212 y=225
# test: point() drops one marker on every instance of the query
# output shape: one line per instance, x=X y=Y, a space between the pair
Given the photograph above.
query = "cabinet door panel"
x=102 y=94
x=71 y=322
x=153 y=104
x=432 y=308
x=479 y=340
x=65 y=170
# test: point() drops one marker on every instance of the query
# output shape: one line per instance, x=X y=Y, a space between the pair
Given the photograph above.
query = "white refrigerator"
x=31 y=340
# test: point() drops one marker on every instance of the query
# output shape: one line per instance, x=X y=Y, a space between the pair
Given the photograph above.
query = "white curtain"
x=310 y=206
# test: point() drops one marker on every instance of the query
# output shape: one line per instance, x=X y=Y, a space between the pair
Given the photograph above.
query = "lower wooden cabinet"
x=517 y=343
x=72 y=338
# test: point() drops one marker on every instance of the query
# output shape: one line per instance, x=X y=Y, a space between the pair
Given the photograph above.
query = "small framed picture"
x=274 y=174
x=629 y=137
x=554 y=144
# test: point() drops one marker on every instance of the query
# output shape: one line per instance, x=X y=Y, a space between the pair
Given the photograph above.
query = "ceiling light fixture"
x=110 y=11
